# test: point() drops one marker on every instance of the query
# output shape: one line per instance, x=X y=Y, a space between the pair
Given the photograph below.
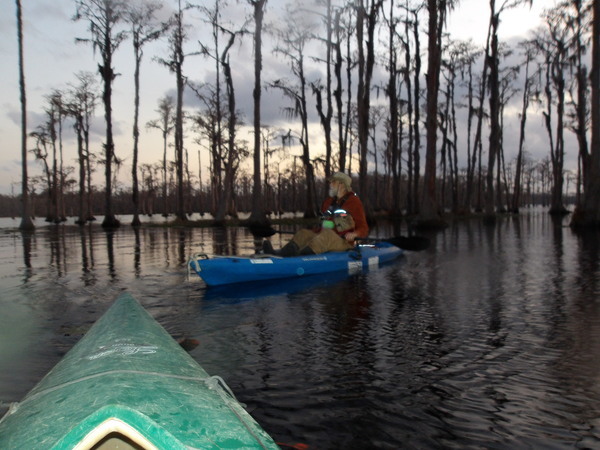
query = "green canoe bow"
x=127 y=380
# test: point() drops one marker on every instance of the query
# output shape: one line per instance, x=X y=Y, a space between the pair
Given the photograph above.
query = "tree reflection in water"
x=489 y=338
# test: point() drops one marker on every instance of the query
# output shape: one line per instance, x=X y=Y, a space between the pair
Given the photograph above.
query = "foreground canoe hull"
x=228 y=270
x=128 y=379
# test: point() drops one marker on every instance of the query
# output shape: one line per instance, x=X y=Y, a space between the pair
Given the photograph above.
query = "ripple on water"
x=487 y=340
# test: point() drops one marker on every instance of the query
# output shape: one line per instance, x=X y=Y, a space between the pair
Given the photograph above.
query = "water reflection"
x=224 y=241
x=27 y=239
x=589 y=255
x=137 y=252
x=122 y=253
x=87 y=256
x=110 y=253
x=488 y=339
x=57 y=249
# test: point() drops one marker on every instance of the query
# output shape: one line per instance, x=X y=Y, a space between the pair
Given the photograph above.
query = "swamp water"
x=491 y=338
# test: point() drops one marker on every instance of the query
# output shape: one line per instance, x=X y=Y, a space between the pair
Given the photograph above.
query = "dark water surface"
x=491 y=338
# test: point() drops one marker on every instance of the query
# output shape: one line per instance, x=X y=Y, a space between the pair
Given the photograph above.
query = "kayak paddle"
x=410 y=243
x=262 y=230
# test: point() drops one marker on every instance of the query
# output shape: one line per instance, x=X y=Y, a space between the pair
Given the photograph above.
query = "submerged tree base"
x=26 y=224
x=490 y=219
x=256 y=221
x=433 y=224
x=178 y=221
x=111 y=222
x=581 y=220
x=559 y=211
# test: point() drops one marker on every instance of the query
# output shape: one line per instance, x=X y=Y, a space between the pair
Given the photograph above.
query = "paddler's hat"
x=342 y=178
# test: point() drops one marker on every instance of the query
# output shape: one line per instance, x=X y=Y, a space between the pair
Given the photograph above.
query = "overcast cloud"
x=52 y=58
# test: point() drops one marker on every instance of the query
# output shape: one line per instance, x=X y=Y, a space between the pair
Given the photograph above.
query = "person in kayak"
x=344 y=220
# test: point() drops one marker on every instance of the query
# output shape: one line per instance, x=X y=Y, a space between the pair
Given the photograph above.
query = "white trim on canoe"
x=118 y=427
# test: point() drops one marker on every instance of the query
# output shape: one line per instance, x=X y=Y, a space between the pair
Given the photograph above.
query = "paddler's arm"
x=355 y=208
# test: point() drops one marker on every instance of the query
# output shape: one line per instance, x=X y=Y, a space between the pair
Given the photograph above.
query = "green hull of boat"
x=128 y=381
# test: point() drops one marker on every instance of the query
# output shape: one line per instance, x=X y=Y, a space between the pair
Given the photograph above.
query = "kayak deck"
x=128 y=382
x=222 y=270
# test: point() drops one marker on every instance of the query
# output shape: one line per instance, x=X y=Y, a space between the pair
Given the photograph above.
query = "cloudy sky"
x=52 y=58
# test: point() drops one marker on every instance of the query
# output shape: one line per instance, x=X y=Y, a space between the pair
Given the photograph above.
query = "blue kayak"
x=223 y=270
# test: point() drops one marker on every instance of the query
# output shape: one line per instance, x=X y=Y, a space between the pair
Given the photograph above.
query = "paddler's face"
x=334 y=187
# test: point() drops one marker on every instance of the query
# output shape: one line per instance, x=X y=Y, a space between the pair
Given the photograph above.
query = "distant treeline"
x=399 y=128
x=285 y=194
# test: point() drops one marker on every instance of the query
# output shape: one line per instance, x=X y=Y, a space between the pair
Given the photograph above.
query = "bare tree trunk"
x=312 y=208
x=164 y=180
x=81 y=159
x=477 y=142
x=428 y=214
x=392 y=93
x=108 y=76
x=470 y=149
x=582 y=90
x=346 y=151
x=501 y=167
x=103 y=16
x=363 y=101
x=453 y=151
x=26 y=222
x=589 y=215
x=179 y=58
x=516 y=199
x=136 y=133
x=61 y=191
x=88 y=166
x=230 y=163
x=558 y=153
x=443 y=128
x=53 y=212
x=141 y=18
x=494 y=147
x=257 y=215
x=337 y=93
x=81 y=108
x=325 y=116
x=416 y=151
x=410 y=198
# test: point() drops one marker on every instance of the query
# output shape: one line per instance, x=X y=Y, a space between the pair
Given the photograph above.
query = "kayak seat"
x=265 y=256
x=116 y=441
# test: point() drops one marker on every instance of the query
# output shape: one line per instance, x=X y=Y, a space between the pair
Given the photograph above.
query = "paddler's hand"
x=351 y=236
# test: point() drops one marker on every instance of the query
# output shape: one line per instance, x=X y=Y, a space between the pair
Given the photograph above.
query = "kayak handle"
x=194 y=260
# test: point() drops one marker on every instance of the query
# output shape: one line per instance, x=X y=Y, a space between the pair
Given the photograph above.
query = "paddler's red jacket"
x=353 y=206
